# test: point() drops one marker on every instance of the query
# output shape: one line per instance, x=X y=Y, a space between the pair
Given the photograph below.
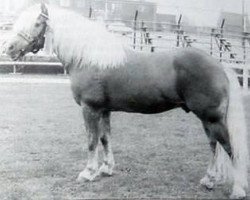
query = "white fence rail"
x=15 y=64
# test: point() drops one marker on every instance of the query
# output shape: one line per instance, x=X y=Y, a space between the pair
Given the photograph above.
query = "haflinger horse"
x=106 y=75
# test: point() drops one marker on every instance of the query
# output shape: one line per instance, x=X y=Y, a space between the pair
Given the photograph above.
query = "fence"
x=15 y=64
x=231 y=48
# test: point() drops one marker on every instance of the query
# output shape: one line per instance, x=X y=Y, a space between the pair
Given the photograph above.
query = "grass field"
x=43 y=148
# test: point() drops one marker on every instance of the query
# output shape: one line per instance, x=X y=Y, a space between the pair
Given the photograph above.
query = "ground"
x=43 y=148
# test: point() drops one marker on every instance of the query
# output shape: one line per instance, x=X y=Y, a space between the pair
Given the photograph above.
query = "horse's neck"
x=81 y=43
x=53 y=29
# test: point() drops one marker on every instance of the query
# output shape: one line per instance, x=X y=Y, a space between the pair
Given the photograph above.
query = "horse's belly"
x=142 y=102
x=142 y=89
x=144 y=108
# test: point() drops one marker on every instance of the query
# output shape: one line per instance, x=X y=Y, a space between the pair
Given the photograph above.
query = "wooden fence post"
x=143 y=31
x=14 y=69
x=244 y=39
x=211 y=41
x=245 y=77
x=64 y=71
x=178 y=31
x=90 y=12
x=135 y=22
x=245 y=69
x=221 y=38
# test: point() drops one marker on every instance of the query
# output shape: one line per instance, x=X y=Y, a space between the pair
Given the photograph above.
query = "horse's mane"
x=76 y=39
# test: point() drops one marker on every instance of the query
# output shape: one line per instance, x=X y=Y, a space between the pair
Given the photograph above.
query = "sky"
x=201 y=12
x=196 y=12
x=228 y=5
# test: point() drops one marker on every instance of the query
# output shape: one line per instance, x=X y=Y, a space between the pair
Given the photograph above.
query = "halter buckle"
x=45 y=16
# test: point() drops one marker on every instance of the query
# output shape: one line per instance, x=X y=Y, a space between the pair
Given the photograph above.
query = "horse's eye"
x=37 y=25
x=11 y=47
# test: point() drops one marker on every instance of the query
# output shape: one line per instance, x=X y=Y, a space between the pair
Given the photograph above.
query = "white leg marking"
x=91 y=170
x=108 y=159
x=238 y=192
x=207 y=182
x=107 y=167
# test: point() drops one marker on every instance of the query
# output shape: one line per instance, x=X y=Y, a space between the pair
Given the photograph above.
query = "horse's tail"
x=237 y=130
x=238 y=136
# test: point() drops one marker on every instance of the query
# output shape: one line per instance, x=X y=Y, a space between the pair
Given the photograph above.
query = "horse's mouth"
x=17 y=56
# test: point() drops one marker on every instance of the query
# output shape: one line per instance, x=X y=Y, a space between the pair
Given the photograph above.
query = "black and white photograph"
x=124 y=99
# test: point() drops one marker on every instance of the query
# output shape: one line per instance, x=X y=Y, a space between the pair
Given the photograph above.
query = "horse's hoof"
x=105 y=170
x=207 y=183
x=87 y=175
x=238 y=193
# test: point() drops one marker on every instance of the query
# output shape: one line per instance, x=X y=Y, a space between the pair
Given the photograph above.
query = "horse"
x=107 y=76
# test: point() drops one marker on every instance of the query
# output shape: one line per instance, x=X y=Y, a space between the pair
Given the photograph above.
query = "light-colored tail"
x=238 y=138
x=237 y=131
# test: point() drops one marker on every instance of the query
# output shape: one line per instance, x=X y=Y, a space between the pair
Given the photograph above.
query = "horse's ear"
x=44 y=9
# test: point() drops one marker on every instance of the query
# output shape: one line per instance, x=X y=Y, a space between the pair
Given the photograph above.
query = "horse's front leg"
x=91 y=119
x=108 y=159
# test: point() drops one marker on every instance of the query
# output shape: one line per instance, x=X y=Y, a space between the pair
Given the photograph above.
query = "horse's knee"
x=91 y=119
x=105 y=128
x=92 y=144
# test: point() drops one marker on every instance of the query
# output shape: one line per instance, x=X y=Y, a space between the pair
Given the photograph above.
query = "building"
x=234 y=22
x=114 y=9
x=165 y=22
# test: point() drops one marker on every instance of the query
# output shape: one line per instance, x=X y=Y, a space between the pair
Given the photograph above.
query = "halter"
x=37 y=42
x=45 y=16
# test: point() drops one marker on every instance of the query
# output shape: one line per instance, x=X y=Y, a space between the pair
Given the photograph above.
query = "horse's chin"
x=17 y=57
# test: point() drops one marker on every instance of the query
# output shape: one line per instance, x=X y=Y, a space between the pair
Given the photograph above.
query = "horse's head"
x=29 y=34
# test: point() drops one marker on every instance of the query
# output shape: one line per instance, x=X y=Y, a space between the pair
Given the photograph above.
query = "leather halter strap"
x=32 y=41
x=45 y=16
x=25 y=36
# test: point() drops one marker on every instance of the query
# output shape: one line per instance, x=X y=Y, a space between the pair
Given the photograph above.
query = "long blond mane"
x=76 y=39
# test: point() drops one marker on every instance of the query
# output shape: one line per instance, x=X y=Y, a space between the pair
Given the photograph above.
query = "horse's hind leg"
x=91 y=119
x=214 y=173
x=224 y=166
x=214 y=123
x=108 y=159
x=209 y=179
